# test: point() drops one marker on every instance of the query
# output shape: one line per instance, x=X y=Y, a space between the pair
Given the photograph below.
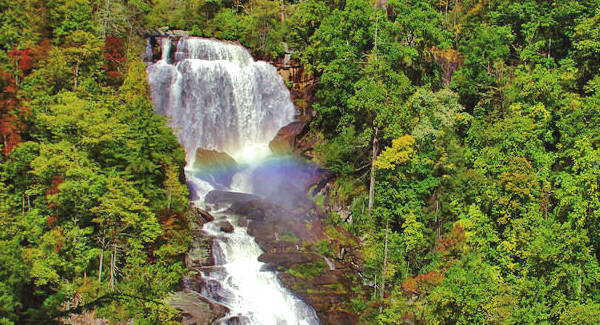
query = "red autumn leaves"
x=11 y=112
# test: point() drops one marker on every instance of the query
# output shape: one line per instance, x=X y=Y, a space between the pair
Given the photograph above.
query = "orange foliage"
x=50 y=221
x=422 y=282
x=9 y=131
x=53 y=189
x=454 y=241
x=171 y=224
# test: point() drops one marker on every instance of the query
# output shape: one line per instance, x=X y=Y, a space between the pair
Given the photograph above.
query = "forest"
x=464 y=137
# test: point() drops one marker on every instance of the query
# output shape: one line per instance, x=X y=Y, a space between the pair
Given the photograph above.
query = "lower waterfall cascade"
x=218 y=98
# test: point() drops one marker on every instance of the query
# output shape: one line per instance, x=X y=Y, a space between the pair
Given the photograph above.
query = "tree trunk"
x=375 y=288
x=372 y=182
x=169 y=202
x=76 y=75
x=17 y=73
x=282 y=11
x=447 y=1
x=100 y=266
x=106 y=19
x=385 y=253
x=113 y=259
x=437 y=215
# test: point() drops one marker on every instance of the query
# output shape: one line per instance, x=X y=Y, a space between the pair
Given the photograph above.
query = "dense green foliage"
x=485 y=114
x=486 y=181
x=92 y=201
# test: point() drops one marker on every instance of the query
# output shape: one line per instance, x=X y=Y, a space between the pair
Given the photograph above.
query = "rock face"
x=302 y=86
x=286 y=140
x=288 y=259
x=195 y=309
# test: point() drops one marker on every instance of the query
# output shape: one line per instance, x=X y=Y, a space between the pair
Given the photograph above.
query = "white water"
x=257 y=295
x=218 y=97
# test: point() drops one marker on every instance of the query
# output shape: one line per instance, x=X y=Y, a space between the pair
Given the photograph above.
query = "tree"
x=122 y=210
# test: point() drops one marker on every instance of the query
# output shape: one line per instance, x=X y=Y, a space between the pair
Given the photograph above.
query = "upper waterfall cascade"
x=218 y=97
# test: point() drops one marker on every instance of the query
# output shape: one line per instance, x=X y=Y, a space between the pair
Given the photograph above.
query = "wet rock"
x=192 y=283
x=322 y=293
x=236 y=320
x=195 y=309
x=318 y=180
x=200 y=216
x=251 y=210
x=225 y=197
x=214 y=167
x=211 y=159
x=268 y=268
x=285 y=140
x=225 y=226
x=200 y=253
x=287 y=259
x=242 y=221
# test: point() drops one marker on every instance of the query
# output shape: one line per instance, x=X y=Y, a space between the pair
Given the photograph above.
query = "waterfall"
x=217 y=97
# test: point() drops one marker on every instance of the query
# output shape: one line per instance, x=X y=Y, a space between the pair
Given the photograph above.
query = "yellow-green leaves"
x=400 y=152
x=135 y=85
x=122 y=207
x=413 y=231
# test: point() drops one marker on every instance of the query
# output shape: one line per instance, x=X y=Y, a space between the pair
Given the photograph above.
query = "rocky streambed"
x=316 y=261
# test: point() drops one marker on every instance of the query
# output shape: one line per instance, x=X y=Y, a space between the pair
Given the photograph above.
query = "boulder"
x=214 y=166
x=200 y=216
x=250 y=210
x=225 y=226
x=211 y=159
x=195 y=309
x=225 y=197
x=285 y=140
x=200 y=253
